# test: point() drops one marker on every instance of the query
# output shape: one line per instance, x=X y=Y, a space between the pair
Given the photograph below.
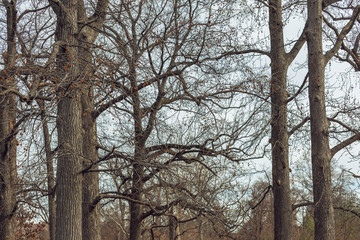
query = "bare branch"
x=302 y=123
x=340 y=36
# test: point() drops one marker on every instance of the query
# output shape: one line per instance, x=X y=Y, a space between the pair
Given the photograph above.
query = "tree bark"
x=50 y=172
x=320 y=150
x=90 y=187
x=279 y=134
x=69 y=179
x=7 y=138
x=135 y=208
x=74 y=114
x=139 y=154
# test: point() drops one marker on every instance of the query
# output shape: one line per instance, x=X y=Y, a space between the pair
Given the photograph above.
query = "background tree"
x=157 y=57
x=259 y=224
x=321 y=152
x=280 y=62
x=169 y=122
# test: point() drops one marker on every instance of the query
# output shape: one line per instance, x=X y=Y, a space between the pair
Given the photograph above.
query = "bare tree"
x=280 y=62
x=160 y=81
x=75 y=34
x=321 y=153
x=281 y=58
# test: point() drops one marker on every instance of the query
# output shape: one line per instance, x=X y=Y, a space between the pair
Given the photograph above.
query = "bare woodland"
x=179 y=119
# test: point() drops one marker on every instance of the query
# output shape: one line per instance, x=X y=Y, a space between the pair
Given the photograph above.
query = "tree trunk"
x=135 y=208
x=50 y=172
x=90 y=188
x=68 y=191
x=139 y=157
x=279 y=134
x=320 y=150
x=69 y=179
x=201 y=230
x=7 y=139
x=172 y=228
x=7 y=168
x=178 y=215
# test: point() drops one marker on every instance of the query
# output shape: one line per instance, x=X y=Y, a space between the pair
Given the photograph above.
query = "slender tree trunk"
x=320 y=150
x=172 y=228
x=201 y=230
x=69 y=179
x=279 y=134
x=7 y=139
x=91 y=214
x=122 y=228
x=139 y=155
x=50 y=172
x=135 y=208
x=178 y=215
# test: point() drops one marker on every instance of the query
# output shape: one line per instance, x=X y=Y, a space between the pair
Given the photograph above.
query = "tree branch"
x=340 y=37
x=344 y=144
x=305 y=120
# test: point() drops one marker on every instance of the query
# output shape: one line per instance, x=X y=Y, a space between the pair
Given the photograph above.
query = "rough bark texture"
x=69 y=179
x=7 y=139
x=279 y=134
x=90 y=187
x=68 y=191
x=320 y=150
x=76 y=125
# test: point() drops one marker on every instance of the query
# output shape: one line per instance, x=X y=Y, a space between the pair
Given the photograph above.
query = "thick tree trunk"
x=279 y=134
x=69 y=179
x=90 y=188
x=80 y=37
x=7 y=139
x=320 y=150
x=7 y=168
